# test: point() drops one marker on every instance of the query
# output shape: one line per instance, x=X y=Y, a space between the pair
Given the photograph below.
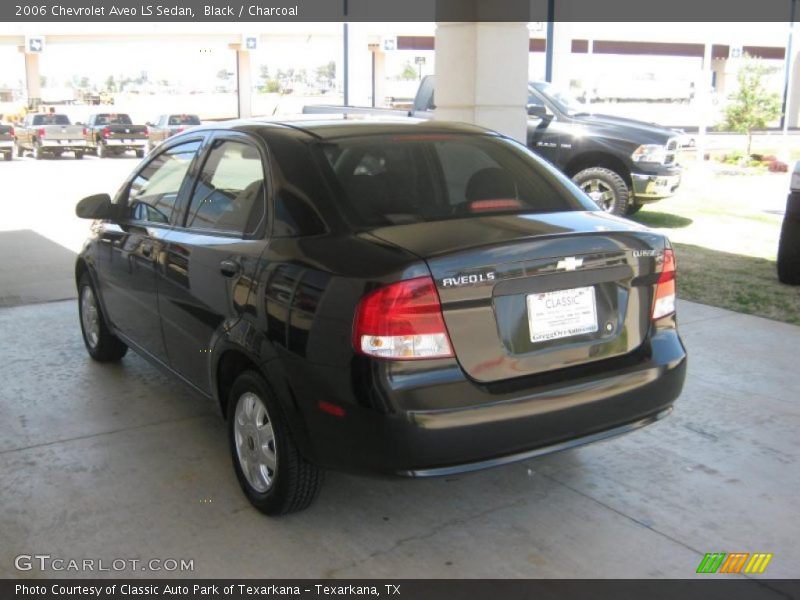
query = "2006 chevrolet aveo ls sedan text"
x=410 y=298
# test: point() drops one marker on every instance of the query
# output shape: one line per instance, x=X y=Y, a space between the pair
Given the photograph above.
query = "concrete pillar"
x=32 y=80
x=360 y=66
x=482 y=75
x=244 y=83
x=379 y=74
x=793 y=104
x=562 y=53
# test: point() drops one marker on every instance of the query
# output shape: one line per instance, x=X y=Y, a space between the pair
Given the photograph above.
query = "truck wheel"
x=605 y=187
x=8 y=156
x=633 y=208
x=78 y=155
x=102 y=150
x=140 y=154
x=38 y=153
x=20 y=150
x=274 y=476
x=102 y=345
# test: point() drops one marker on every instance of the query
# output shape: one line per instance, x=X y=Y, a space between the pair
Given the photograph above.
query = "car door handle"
x=229 y=268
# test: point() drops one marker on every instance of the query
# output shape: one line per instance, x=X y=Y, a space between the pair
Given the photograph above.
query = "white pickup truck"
x=50 y=133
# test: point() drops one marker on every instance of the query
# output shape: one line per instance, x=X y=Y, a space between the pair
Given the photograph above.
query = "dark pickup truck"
x=620 y=163
x=168 y=125
x=7 y=141
x=109 y=134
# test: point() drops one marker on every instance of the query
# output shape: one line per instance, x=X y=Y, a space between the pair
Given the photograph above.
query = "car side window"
x=154 y=190
x=230 y=193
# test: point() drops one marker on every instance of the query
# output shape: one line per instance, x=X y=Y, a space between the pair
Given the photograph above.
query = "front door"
x=129 y=250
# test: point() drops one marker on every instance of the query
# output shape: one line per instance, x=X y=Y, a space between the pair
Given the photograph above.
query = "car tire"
x=78 y=155
x=20 y=150
x=102 y=150
x=273 y=475
x=633 y=208
x=8 y=156
x=140 y=154
x=605 y=187
x=789 y=251
x=101 y=344
x=38 y=153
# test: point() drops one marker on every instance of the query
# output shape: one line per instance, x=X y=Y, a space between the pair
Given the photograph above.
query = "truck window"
x=50 y=120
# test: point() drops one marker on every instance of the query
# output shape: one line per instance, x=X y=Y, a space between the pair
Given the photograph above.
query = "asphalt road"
x=122 y=462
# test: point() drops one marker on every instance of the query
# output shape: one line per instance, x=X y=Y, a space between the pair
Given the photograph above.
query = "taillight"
x=146 y=132
x=664 y=304
x=85 y=131
x=106 y=132
x=402 y=321
x=41 y=132
x=179 y=130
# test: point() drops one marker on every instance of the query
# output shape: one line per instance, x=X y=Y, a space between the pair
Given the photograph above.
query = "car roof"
x=337 y=126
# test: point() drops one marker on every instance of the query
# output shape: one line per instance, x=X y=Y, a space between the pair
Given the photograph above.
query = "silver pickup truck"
x=50 y=133
x=7 y=141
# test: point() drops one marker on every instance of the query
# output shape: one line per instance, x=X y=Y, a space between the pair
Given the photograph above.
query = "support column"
x=562 y=53
x=244 y=83
x=482 y=75
x=793 y=105
x=32 y=80
x=359 y=91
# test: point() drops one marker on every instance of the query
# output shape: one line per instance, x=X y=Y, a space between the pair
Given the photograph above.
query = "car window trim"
x=177 y=208
x=263 y=228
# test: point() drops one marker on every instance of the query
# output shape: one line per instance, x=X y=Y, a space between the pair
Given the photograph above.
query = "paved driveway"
x=119 y=461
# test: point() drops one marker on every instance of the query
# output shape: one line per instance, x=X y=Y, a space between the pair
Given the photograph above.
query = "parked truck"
x=108 y=134
x=168 y=125
x=7 y=141
x=49 y=134
x=620 y=163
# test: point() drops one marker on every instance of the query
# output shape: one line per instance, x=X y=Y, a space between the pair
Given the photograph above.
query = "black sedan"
x=411 y=298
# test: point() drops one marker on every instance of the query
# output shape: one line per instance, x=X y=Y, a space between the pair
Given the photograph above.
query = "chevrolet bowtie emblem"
x=570 y=263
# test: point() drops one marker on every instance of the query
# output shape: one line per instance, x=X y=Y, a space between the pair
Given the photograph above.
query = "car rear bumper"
x=130 y=144
x=62 y=144
x=488 y=427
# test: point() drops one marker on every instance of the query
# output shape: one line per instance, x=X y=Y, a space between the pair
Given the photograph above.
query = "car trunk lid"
x=524 y=294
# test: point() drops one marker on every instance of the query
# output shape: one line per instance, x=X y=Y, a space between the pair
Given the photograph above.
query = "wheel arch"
x=599 y=159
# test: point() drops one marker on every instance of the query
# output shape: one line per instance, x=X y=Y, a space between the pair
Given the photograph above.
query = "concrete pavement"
x=122 y=462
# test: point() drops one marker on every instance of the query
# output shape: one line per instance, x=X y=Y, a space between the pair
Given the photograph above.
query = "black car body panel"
x=283 y=295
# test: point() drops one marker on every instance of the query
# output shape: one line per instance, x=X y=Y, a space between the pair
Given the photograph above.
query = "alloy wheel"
x=256 y=447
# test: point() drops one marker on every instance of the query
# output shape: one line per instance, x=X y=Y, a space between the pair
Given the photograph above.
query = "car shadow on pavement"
x=34 y=269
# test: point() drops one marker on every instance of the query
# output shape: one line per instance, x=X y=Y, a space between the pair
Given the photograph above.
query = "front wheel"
x=102 y=345
x=633 y=208
x=273 y=475
x=605 y=187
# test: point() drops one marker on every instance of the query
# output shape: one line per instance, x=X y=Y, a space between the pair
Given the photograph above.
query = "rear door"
x=129 y=251
x=211 y=257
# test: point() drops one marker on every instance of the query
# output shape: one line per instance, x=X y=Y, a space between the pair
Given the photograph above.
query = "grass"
x=725 y=229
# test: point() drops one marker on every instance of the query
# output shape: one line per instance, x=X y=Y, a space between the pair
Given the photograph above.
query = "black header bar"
x=255 y=11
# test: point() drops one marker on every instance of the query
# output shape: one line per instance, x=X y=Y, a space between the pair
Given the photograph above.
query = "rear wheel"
x=102 y=345
x=78 y=155
x=102 y=150
x=605 y=187
x=38 y=153
x=8 y=156
x=140 y=154
x=20 y=150
x=273 y=475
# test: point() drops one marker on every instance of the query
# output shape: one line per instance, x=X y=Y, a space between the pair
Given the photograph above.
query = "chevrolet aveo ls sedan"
x=409 y=298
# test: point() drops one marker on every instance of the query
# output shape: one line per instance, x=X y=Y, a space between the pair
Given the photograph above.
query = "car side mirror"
x=537 y=110
x=95 y=207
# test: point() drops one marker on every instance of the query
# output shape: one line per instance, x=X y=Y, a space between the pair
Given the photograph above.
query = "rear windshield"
x=113 y=120
x=50 y=120
x=184 y=120
x=396 y=179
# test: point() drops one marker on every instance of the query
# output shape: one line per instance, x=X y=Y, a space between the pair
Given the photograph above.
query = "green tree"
x=752 y=106
x=326 y=75
x=408 y=72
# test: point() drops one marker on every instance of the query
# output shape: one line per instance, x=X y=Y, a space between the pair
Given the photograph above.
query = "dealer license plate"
x=555 y=315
